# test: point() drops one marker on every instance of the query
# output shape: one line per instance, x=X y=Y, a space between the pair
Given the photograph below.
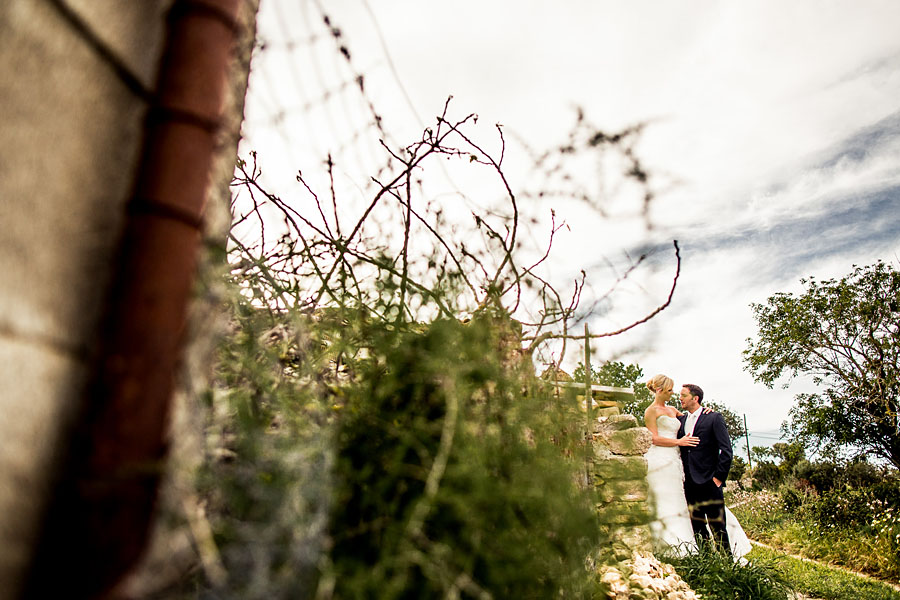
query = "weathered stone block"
x=601 y=451
x=625 y=513
x=607 y=412
x=621 y=467
x=631 y=442
x=625 y=490
x=637 y=537
x=623 y=421
x=609 y=425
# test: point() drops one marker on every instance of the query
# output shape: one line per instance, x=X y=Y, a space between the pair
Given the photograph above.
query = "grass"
x=771 y=575
x=869 y=547
x=716 y=576
x=821 y=581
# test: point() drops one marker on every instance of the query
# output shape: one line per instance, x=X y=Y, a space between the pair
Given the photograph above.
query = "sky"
x=772 y=131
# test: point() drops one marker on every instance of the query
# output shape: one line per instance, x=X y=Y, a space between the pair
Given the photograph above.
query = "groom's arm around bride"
x=706 y=465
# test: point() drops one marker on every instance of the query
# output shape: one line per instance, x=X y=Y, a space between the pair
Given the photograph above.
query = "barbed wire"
x=316 y=114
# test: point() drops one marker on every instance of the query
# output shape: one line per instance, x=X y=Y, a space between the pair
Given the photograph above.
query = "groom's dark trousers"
x=710 y=458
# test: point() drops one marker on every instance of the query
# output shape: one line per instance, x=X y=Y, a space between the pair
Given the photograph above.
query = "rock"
x=610 y=424
x=625 y=513
x=608 y=412
x=626 y=490
x=631 y=442
x=601 y=451
x=623 y=421
x=621 y=467
x=637 y=538
x=643 y=576
x=615 y=581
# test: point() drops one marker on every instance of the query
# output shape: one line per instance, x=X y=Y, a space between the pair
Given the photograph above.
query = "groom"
x=706 y=466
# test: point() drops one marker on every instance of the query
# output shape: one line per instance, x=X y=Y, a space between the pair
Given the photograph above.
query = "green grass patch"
x=716 y=576
x=866 y=545
x=820 y=581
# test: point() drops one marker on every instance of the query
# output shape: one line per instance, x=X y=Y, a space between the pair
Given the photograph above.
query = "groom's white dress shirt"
x=691 y=421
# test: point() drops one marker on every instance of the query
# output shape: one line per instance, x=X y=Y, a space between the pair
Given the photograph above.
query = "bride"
x=665 y=476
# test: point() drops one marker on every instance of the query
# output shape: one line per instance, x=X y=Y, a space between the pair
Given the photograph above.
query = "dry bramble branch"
x=403 y=259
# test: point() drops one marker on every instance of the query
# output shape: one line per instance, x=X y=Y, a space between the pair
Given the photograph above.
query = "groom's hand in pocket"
x=717 y=482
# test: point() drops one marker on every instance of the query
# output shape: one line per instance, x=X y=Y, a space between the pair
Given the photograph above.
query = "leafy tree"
x=823 y=476
x=787 y=454
x=845 y=333
x=738 y=468
x=618 y=374
x=734 y=423
x=766 y=474
x=784 y=457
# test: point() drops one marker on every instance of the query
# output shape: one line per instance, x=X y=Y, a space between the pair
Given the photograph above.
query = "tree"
x=738 y=469
x=733 y=422
x=784 y=456
x=618 y=374
x=845 y=334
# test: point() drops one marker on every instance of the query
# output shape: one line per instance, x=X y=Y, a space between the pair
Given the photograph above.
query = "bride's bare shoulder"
x=670 y=412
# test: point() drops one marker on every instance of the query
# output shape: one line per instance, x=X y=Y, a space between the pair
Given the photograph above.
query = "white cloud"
x=773 y=116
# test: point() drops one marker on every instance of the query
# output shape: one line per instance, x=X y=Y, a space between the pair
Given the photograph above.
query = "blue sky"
x=773 y=128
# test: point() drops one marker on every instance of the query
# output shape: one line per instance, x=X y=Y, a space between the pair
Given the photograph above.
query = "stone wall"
x=620 y=476
x=627 y=567
x=68 y=151
x=74 y=81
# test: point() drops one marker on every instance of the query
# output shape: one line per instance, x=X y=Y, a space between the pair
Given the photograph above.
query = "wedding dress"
x=665 y=476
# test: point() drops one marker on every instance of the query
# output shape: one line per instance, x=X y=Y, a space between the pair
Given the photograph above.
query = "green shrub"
x=717 y=576
x=859 y=474
x=767 y=475
x=887 y=491
x=448 y=485
x=840 y=509
x=738 y=469
x=823 y=476
x=791 y=498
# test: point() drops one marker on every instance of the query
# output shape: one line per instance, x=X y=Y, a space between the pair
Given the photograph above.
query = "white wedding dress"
x=665 y=476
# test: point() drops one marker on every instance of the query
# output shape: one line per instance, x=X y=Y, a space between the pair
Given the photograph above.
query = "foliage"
x=618 y=374
x=787 y=455
x=766 y=474
x=847 y=509
x=771 y=474
x=376 y=429
x=733 y=422
x=855 y=528
x=738 y=469
x=861 y=474
x=426 y=461
x=825 y=582
x=846 y=335
x=822 y=476
x=717 y=576
x=445 y=473
x=791 y=498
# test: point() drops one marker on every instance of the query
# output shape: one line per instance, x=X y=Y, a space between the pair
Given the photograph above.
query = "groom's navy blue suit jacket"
x=712 y=456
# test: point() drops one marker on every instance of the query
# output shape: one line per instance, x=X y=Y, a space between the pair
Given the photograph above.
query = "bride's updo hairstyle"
x=660 y=383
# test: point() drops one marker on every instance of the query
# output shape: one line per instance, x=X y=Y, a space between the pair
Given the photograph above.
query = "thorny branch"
x=405 y=260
